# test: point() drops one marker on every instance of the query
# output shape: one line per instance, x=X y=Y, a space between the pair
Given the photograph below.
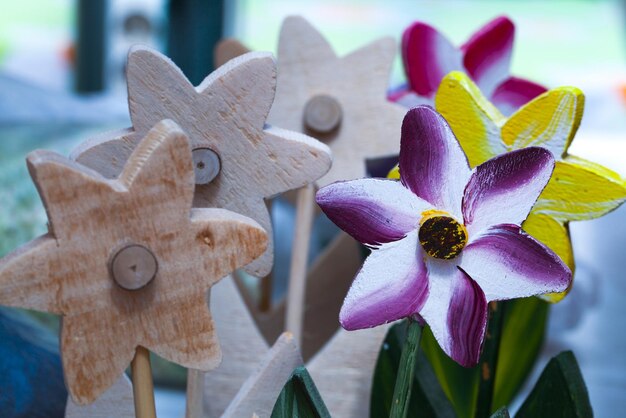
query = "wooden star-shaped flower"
x=339 y=100
x=578 y=189
x=239 y=160
x=127 y=261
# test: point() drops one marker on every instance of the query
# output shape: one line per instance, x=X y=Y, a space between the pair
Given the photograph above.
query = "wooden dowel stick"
x=195 y=389
x=143 y=389
x=305 y=205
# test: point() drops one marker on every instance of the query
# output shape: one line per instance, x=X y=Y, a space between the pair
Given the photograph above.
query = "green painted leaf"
x=501 y=413
x=560 y=392
x=427 y=398
x=522 y=336
x=300 y=398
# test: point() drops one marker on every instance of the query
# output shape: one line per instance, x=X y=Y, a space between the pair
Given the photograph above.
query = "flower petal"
x=504 y=189
x=473 y=119
x=392 y=284
x=550 y=121
x=487 y=54
x=580 y=190
x=428 y=56
x=507 y=263
x=555 y=235
x=456 y=311
x=432 y=163
x=373 y=211
x=514 y=93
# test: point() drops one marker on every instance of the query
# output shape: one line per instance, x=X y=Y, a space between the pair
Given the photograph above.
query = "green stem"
x=406 y=371
x=489 y=360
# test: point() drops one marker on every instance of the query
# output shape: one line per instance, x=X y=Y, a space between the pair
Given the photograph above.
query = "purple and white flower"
x=446 y=240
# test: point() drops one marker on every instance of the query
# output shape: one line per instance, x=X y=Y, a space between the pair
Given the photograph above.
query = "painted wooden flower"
x=428 y=56
x=446 y=239
x=127 y=262
x=578 y=190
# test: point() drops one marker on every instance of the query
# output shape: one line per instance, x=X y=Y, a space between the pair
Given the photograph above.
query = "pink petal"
x=432 y=163
x=507 y=263
x=392 y=284
x=373 y=211
x=504 y=189
x=456 y=311
x=514 y=93
x=487 y=54
x=428 y=56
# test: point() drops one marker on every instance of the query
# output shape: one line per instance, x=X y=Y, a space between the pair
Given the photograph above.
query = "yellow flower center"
x=441 y=235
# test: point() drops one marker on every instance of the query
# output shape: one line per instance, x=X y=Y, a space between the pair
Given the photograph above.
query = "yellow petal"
x=549 y=121
x=555 y=235
x=394 y=173
x=473 y=119
x=580 y=190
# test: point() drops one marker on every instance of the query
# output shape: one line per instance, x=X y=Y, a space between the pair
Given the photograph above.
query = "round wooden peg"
x=322 y=113
x=133 y=267
x=206 y=164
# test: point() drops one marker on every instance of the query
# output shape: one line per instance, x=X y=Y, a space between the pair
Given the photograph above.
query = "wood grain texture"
x=116 y=401
x=308 y=66
x=242 y=347
x=90 y=217
x=343 y=370
x=260 y=391
x=226 y=113
x=327 y=284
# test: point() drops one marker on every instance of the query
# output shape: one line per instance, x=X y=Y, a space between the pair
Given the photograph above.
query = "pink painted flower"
x=486 y=57
x=446 y=239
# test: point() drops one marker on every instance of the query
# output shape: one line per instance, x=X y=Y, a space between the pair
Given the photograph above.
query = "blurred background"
x=62 y=80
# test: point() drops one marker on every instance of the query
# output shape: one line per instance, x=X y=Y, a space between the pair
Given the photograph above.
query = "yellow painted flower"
x=578 y=190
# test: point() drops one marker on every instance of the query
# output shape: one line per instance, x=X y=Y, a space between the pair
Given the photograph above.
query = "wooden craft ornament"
x=206 y=165
x=225 y=115
x=67 y=271
x=322 y=114
x=133 y=267
x=351 y=89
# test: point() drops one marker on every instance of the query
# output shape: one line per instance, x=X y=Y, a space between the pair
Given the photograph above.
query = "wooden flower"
x=446 y=239
x=486 y=57
x=578 y=190
x=127 y=262
x=240 y=161
x=339 y=100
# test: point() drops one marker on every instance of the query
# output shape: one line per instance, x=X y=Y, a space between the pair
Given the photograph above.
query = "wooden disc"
x=206 y=164
x=322 y=113
x=133 y=267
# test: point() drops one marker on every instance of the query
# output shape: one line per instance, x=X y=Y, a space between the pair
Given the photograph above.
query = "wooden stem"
x=305 y=205
x=266 y=285
x=406 y=371
x=489 y=360
x=143 y=389
x=195 y=389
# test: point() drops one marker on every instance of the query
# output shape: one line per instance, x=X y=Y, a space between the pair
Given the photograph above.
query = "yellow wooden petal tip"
x=473 y=119
x=550 y=120
x=394 y=173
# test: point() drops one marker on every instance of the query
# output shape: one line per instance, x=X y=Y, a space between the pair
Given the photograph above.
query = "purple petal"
x=428 y=56
x=373 y=211
x=467 y=320
x=504 y=189
x=456 y=311
x=487 y=54
x=432 y=163
x=392 y=284
x=514 y=93
x=507 y=263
